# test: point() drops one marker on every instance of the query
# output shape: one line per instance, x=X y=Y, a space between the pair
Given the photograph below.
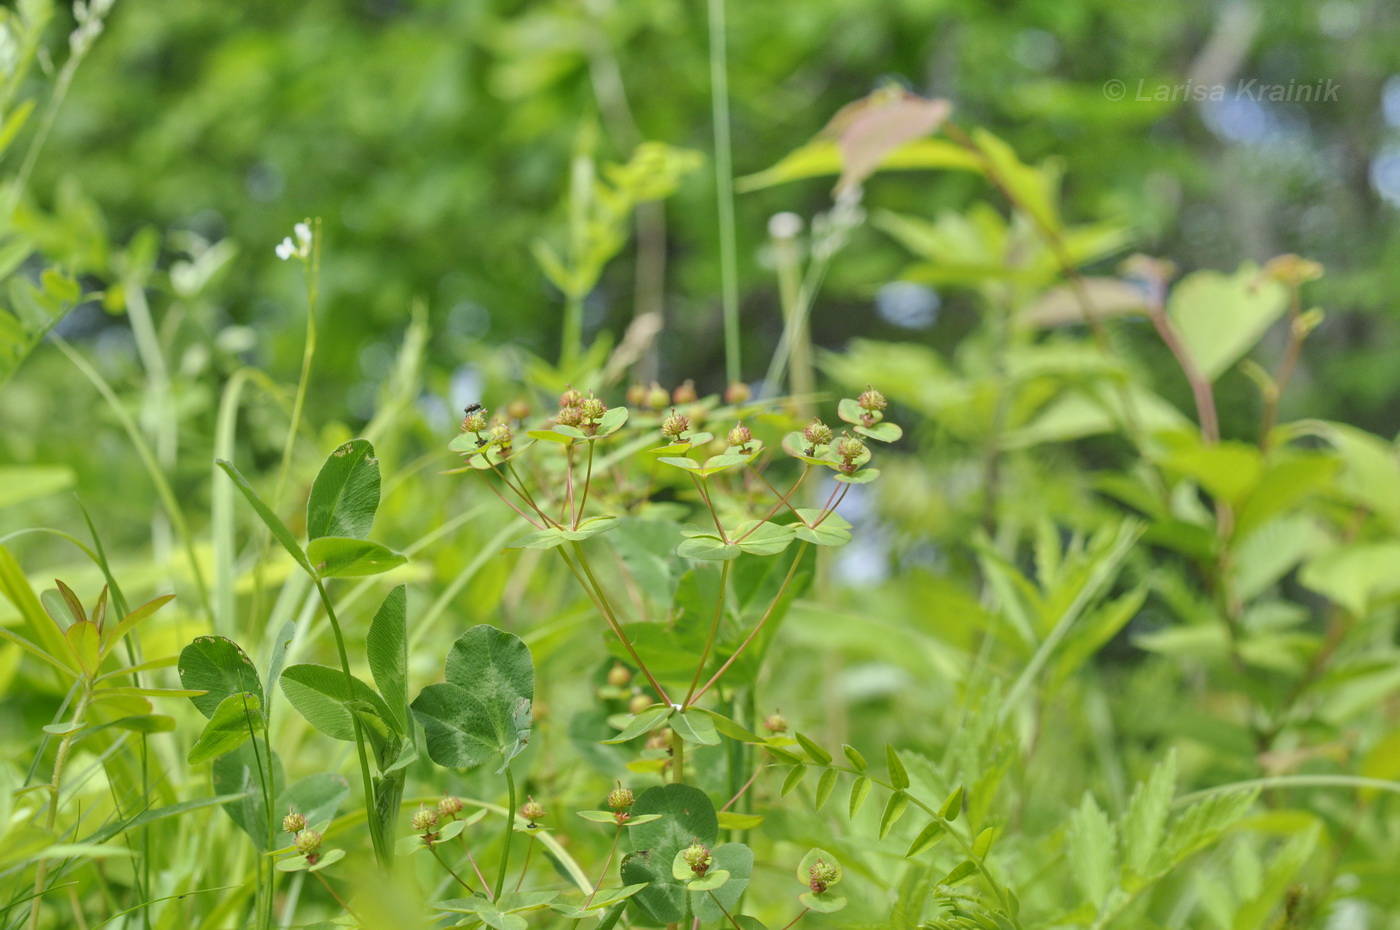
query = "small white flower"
x=303 y=233
x=285 y=249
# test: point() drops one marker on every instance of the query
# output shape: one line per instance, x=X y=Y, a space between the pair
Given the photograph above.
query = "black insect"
x=473 y=408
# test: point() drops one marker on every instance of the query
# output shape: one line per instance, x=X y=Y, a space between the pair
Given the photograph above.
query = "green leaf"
x=710 y=548
x=645 y=722
x=548 y=538
x=762 y=538
x=270 y=519
x=1221 y=316
x=828 y=902
x=894 y=809
x=882 y=432
x=793 y=779
x=961 y=872
x=236 y=773
x=387 y=648
x=983 y=844
x=734 y=859
x=345 y=494
x=952 y=806
x=823 y=157
x=590 y=528
x=343 y=557
x=898 y=776
x=217 y=665
x=237 y=718
x=611 y=422
x=483 y=708
x=855 y=757
x=860 y=790
x=695 y=728
x=1146 y=817
x=729 y=727
x=834 y=529
x=729 y=820
x=815 y=752
x=1092 y=850
x=688 y=816
x=824 y=787
x=928 y=838
x=319 y=693
x=864 y=476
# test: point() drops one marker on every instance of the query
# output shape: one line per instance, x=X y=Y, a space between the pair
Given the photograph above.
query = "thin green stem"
x=308 y=354
x=265 y=886
x=783 y=499
x=724 y=187
x=529 y=850
x=510 y=833
x=55 y=785
x=726 y=914
x=381 y=855
x=677 y=759
x=432 y=848
x=797 y=560
x=796 y=919
x=612 y=851
x=338 y=899
x=601 y=602
x=1358 y=782
x=709 y=505
x=714 y=630
x=587 y=482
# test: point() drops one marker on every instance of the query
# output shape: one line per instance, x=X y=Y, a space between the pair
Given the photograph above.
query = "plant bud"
x=532 y=811
x=450 y=806
x=619 y=676
x=593 y=409
x=518 y=410
x=740 y=436
x=474 y=422
x=501 y=435
x=675 y=426
x=817 y=433
x=636 y=394
x=698 y=858
x=293 y=822
x=308 y=843
x=639 y=703
x=660 y=739
x=424 y=820
x=737 y=393
x=872 y=400
x=620 y=798
x=776 y=723
x=685 y=394
x=570 y=416
x=820 y=875
x=571 y=397
x=658 y=397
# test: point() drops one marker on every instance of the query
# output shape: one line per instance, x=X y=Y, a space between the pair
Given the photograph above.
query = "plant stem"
x=726 y=914
x=714 y=629
x=308 y=354
x=529 y=849
x=677 y=758
x=724 y=187
x=595 y=591
x=1200 y=385
x=709 y=505
x=432 y=848
x=782 y=498
x=510 y=833
x=752 y=778
x=796 y=919
x=602 y=876
x=1285 y=367
x=797 y=560
x=60 y=757
x=371 y=819
x=587 y=481
x=338 y=899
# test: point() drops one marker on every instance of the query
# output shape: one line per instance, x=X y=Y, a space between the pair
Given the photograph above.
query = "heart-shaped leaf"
x=217 y=666
x=482 y=710
x=345 y=494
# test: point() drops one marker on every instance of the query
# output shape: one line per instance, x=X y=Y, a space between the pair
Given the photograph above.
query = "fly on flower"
x=301 y=248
